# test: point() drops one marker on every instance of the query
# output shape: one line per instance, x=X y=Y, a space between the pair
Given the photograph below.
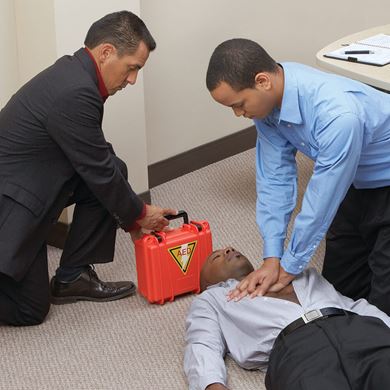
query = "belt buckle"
x=311 y=316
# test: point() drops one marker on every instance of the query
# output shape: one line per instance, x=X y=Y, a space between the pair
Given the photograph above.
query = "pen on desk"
x=358 y=52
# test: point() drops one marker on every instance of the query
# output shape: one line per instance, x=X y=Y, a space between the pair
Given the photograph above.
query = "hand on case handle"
x=180 y=214
x=154 y=218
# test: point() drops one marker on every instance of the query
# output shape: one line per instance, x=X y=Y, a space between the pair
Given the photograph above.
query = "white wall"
x=180 y=114
x=9 y=75
x=35 y=31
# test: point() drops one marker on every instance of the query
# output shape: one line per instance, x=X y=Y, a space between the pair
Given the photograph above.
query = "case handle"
x=180 y=214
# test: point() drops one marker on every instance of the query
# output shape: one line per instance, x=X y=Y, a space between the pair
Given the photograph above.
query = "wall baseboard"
x=177 y=166
x=201 y=156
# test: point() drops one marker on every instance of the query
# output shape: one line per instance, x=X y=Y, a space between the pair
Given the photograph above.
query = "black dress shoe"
x=88 y=287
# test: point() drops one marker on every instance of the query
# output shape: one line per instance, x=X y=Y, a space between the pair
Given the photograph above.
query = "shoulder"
x=212 y=296
x=311 y=79
x=296 y=72
x=323 y=96
x=70 y=76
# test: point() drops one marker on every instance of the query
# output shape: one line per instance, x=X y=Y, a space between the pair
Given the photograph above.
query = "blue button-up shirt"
x=341 y=124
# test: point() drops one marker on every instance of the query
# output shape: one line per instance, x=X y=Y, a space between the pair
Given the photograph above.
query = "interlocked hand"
x=258 y=282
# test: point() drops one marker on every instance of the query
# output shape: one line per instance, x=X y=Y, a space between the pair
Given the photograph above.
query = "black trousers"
x=339 y=353
x=91 y=239
x=357 y=258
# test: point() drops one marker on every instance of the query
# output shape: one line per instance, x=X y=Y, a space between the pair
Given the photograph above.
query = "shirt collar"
x=102 y=87
x=290 y=111
x=226 y=283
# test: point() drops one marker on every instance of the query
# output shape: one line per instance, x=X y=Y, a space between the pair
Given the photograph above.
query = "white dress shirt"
x=247 y=329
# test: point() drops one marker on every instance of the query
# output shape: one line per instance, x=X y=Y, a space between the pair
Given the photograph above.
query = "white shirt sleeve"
x=205 y=346
x=323 y=294
x=363 y=308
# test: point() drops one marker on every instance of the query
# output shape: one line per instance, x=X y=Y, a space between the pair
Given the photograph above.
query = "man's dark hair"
x=123 y=29
x=236 y=62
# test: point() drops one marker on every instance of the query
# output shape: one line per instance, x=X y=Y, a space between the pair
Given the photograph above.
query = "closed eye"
x=238 y=105
x=134 y=67
x=215 y=257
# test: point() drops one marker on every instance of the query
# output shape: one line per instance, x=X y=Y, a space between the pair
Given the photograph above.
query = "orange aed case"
x=169 y=263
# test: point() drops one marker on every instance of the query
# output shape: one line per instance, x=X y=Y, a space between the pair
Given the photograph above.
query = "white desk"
x=377 y=76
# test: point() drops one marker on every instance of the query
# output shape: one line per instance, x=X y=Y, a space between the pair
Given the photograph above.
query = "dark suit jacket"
x=50 y=130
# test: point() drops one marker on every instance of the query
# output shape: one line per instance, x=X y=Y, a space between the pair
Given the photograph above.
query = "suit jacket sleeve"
x=74 y=123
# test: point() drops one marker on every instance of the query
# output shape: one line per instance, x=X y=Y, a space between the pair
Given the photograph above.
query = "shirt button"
x=300 y=267
x=288 y=125
x=302 y=143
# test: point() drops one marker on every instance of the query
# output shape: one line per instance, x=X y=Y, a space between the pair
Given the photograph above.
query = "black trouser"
x=357 y=258
x=339 y=353
x=91 y=239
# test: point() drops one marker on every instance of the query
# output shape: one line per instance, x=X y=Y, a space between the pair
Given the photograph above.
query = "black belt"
x=313 y=315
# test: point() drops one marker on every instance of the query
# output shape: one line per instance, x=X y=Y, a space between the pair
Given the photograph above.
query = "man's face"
x=119 y=71
x=222 y=265
x=252 y=103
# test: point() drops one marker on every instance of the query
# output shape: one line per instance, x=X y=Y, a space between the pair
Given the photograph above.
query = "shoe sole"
x=73 y=299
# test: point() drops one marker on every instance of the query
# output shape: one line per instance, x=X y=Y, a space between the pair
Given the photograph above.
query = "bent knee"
x=122 y=166
x=32 y=315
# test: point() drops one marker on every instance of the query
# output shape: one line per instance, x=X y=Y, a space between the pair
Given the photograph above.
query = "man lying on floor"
x=307 y=334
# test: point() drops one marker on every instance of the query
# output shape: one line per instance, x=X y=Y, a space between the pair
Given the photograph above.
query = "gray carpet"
x=130 y=344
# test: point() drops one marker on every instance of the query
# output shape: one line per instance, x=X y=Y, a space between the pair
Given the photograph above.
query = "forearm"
x=276 y=184
x=339 y=148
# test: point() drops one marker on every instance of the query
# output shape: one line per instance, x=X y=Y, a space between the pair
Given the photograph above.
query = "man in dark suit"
x=52 y=154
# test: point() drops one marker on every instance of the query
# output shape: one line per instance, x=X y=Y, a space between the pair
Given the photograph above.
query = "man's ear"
x=263 y=81
x=106 y=50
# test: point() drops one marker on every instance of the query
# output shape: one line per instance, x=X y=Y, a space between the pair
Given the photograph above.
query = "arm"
x=276 y=182
x=361 y=306
x=74 y=124
x=339 y=144
x=205 y=347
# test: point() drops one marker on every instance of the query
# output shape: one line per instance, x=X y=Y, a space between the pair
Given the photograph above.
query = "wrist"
x=143 y=213
x=216 y=386
x=135 y=225
x=272 y=264
x=273 y=260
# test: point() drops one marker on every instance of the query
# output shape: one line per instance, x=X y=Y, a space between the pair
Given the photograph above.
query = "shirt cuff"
x=273 y=247
x=209 y=380
x=135 y=225
x=291 y=264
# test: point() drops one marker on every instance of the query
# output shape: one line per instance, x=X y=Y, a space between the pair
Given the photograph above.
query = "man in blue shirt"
x=344 y=126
